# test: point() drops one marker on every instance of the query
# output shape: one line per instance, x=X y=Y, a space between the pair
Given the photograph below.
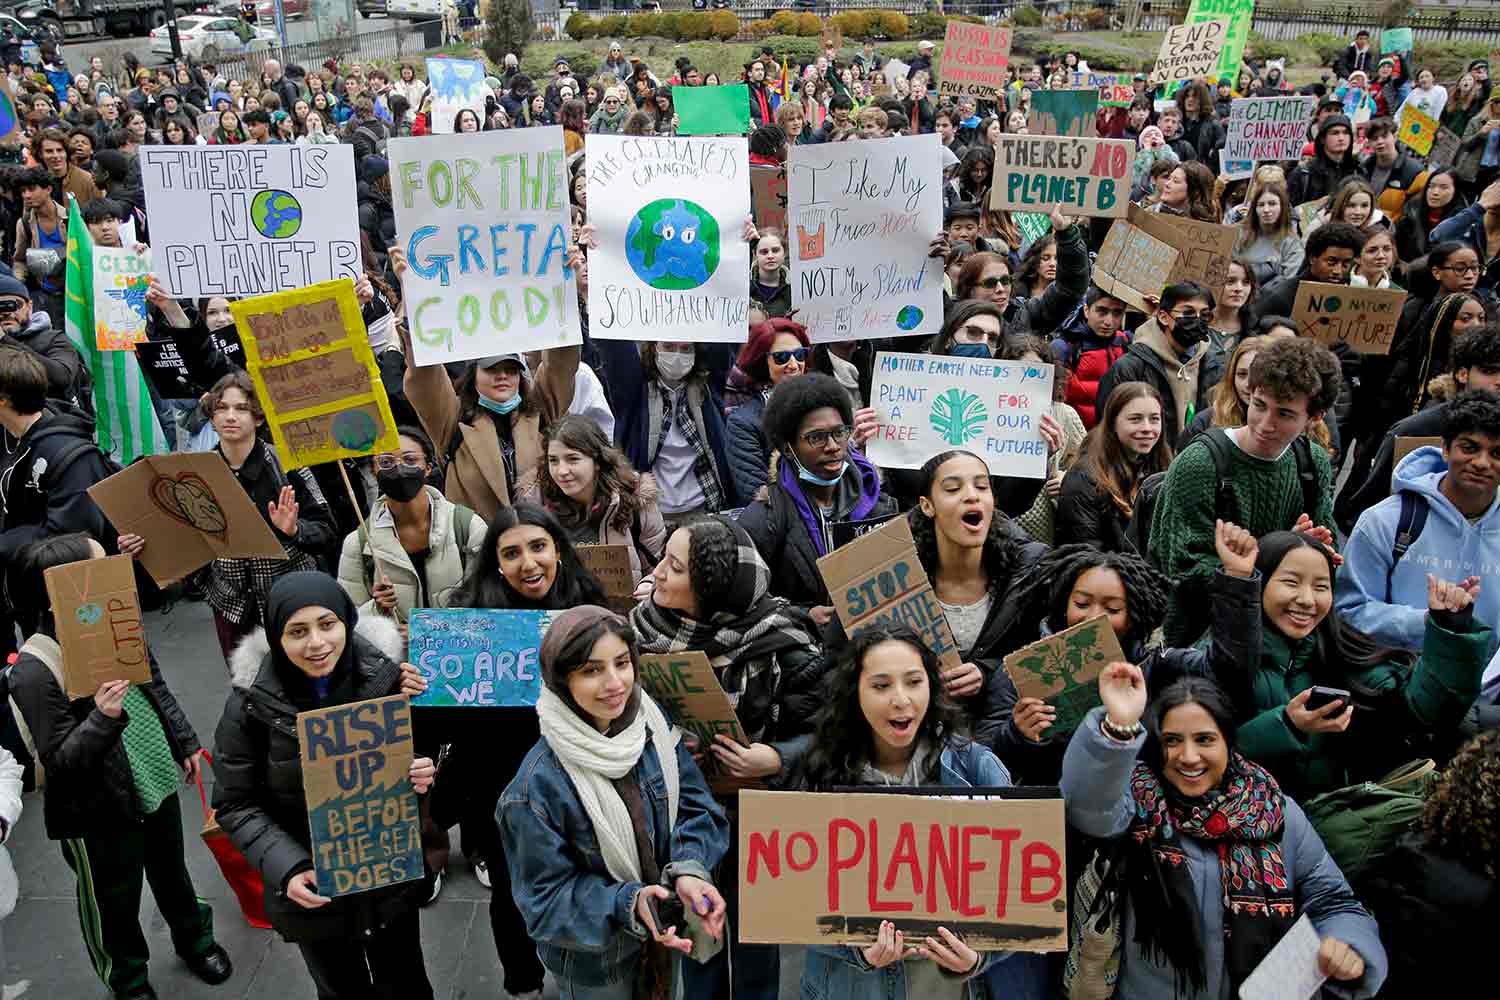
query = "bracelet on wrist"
x=1120 y=734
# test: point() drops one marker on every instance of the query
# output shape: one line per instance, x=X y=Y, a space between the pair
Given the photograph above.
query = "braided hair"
x=713 y=554
x=1146 y=588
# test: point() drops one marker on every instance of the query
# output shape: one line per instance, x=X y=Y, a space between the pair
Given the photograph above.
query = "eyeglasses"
x=1194 y=314
x=819 y=438
x=785 y=357
x=1462 y=270
x=994 y=281
x=611 y=100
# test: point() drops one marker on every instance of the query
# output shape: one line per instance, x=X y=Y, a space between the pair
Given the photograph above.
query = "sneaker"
x=437 y=887
x=482 y=873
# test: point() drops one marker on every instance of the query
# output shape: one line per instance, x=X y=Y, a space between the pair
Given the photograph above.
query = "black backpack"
x=1409 y=527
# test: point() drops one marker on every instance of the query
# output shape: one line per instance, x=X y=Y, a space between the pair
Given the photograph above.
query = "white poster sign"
x=483 y=218
x=239 y=221
x=928 y=403
x=121 y=277
x=455 y=84
x=1267 y=128
x=669 y=218
x=861 y=215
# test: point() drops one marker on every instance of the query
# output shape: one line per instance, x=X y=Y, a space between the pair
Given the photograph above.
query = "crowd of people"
x=1301 y=590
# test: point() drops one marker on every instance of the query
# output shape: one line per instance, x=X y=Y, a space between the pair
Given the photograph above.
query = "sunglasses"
x=785 y=357
x=994 y=282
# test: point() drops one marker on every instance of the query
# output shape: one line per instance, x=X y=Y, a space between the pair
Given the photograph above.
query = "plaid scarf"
x=677 y=409
x=1243 y=819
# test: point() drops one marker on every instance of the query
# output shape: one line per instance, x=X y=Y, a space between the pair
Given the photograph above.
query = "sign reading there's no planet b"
x=861 y=214
x=478 y=657
x=927 y=403
x=484 y=220
x=669 y=218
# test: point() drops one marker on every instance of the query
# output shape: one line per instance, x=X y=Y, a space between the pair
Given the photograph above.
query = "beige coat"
x=445 y=565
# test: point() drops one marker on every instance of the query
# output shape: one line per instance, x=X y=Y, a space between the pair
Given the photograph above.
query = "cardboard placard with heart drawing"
x=98 y=616
x=190 y=509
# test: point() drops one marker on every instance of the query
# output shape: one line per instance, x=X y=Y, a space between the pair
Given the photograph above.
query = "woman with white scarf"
x=609 y=824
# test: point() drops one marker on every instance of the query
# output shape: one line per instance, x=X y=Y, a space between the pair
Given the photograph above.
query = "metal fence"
x=387 y=43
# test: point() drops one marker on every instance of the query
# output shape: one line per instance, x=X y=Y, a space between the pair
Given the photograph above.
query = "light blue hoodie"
x=1449 y=547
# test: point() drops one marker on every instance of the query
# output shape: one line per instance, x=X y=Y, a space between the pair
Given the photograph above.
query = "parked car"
x=211 y=38
x=265 y=10
x=368 y=7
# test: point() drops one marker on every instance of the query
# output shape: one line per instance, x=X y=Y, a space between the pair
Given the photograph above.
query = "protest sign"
x=1363 y=318
x=928 y=403
x=1293 y=970
x=361 y=808
x=98 y=617
x=1037 y=173
x=1204 y=249
x=768 y=196
x=1033 y=226
x=1416 y=129
x=1395 y=41
x=893 y=70
x=841 y=533
x=477 y=657
x=190 y=509
x=307 y=353
x=974 y=62
x=1239 y=14
x=1267 y=128
x=455 y=84
x=1133 y=264
x=610 y=565
x=484 y=220
x=1063 y=670
x=1064 y=112
x=862 y=213
x=1116 y=90
x=1189 y=51
x=690 y=696
x=877 y=580
x=249 y=220
x=1406 y=445
x=827 y=869
x=165 y=368
x=1309 y=215
x=669 y=217
x=10 y=120
x=712 y=110
x=1445 y=146
x=120 y=280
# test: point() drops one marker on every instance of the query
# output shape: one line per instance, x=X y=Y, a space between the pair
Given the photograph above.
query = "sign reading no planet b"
x=249 y=220
x=860 y=214
x=484 y=220
x=1037 y=173
x=975 y=60
x=476 y=657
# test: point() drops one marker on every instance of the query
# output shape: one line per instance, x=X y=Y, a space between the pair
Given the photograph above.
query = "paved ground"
x=44 y=951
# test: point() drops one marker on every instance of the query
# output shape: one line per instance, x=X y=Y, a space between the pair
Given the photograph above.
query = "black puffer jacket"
x=1322 y=176
x=258 y=795
x=1045 y=313
x=1087 y=514
x=89 y=784
x=44 y=480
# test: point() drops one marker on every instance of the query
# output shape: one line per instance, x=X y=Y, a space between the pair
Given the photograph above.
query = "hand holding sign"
x=110 y=698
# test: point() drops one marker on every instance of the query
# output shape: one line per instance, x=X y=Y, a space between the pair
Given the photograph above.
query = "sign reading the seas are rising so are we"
x=249 y=220
x=1037 y=173
x=484 y=220
x=861 y=214
x=669 y=219
x=478 y=657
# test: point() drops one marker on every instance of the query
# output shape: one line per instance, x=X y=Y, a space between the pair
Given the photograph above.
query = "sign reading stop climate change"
x=1037 y=173
x=484 y=221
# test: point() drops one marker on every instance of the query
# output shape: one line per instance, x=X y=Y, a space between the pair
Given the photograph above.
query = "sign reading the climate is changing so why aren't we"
x=929 y=403
x=1266 y=128
x=249 y=220
x=862 y=214
x=669 y=218
x=484 y=221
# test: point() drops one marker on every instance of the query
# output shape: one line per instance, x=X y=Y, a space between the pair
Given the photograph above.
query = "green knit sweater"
x=1268 y=497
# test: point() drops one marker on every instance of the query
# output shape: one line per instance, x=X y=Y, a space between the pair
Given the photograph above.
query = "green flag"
x=125 y=424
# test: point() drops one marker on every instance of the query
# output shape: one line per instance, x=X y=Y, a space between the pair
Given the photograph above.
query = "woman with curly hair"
x=1122 y=449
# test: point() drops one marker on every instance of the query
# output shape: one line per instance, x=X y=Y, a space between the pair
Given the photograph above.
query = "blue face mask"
x=501 y=408
x=808 y=477
x=971 y=351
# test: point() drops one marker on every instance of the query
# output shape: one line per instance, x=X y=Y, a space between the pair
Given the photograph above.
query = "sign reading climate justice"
x=669 y=218
x=249 y=220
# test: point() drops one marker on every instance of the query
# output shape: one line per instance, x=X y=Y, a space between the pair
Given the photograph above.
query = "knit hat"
x=10 y=285
x=567 y=645
x=373 y=167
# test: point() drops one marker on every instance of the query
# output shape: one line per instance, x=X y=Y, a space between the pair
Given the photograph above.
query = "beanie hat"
x=373 y=167
x=11 y=285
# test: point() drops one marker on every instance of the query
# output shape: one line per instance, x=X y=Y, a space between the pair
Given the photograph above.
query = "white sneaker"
x=482 y=873
x=437 y=887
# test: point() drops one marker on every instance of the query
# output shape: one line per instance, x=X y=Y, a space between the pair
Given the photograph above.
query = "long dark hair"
x=1045 y=593
x=469 y=409
x=484 y=586
x=1030 y=271
x=959 y=314
x=1001 y=550
x=841 y=743
x=1104 y=457
x=613 y=475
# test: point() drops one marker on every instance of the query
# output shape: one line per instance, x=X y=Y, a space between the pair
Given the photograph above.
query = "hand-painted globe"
x=356 y=430
x=909 y=317
x=276 y=214
x=673 y=244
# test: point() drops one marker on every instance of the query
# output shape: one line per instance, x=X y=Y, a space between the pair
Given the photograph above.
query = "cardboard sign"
x=165 y=368
x=1363 y=318
x=1267 y=128
x=768 y=196
x=928 y=403
x=974 y=61
x=1063 y=670
x=1416 y=129
x=361 y=809
x=315 y=374
x=1037 y=173
x=1189 y=51
x=859 y=263
x=669 y=217
x=478 y=657
x=1309 y=213
x=190 y=509
x=1406 y=445
x=250 y=220
x=1239 y=14
x=1116 y=90
x=1133 y=264
x=1445 y=146
x=713 y=110
x=484 y=220
x=1204 y=249
x=455 y=85
x=120 y=280
x=1064 y=112
x=98 y=616
x=841 y=533
x=878 y=580
x=691 y=697
x=823 y=869
x=610 y=565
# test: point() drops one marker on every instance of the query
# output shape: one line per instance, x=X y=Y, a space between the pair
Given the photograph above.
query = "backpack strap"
x=1409 y=525
x=1216 y=440
x=1307 y=473
x=463 y=519
x=45 y=649
x=69 y=454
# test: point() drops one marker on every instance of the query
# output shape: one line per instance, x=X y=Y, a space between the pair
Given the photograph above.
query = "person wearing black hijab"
x=315 y=651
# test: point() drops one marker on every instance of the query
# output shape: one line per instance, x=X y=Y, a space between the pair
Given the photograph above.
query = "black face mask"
x=401 y=483
x=1190 y=332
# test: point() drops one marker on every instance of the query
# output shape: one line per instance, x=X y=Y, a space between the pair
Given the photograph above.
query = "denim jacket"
x=583 y=920
x=840 y=972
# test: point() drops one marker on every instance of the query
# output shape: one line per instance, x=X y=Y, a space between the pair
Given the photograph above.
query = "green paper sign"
x=712 y=110
x=1395 y=40
x=1240 y=13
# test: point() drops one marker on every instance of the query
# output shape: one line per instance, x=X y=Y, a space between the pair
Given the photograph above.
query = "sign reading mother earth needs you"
x=975 y=60
x=669 y=218
x=861 y=213
x=248 y=220
x=484 y=220
x=1036 y=173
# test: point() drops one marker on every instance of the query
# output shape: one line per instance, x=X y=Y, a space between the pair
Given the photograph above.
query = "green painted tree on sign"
x=1062 y=669
x=958 y=416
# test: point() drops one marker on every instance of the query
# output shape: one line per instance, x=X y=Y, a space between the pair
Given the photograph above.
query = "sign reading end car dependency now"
x=1037 y=173
x=1189 y=51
